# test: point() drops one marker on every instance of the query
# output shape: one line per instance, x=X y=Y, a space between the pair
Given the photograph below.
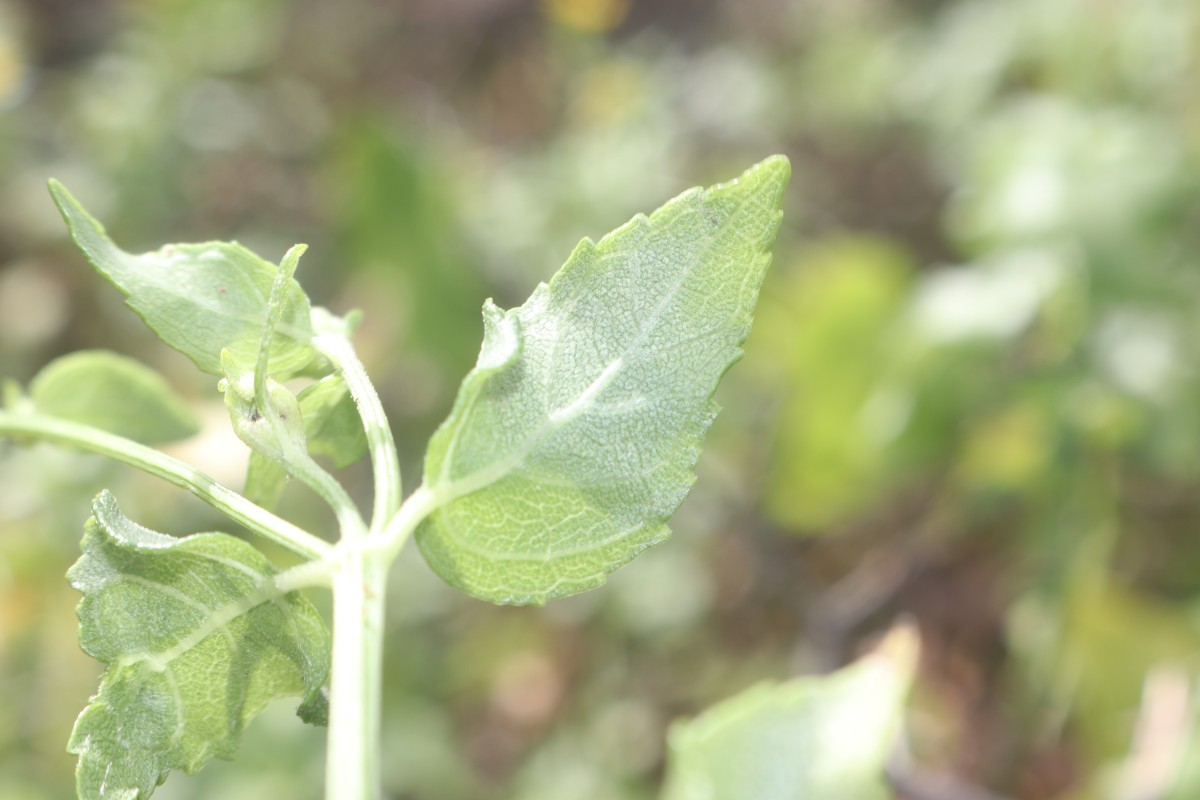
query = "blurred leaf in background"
x=970 y=396
x=812 y=737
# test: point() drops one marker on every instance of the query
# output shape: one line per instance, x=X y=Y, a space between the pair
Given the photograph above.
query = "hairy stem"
x=172 y=470
x=359 y=584
x=385 y=463
x=417 y=507
x=302 y=466
x=355 y=687
x=297 y=460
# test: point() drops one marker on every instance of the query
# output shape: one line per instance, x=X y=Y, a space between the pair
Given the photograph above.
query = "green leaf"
x=12 y=396
x=265 y=481
x=198 y=638
x=332 y=428
x=250 y=422
x=331 y=421
x=574 y=438
x=113 y=393
x=823 y=738
x=199 y=298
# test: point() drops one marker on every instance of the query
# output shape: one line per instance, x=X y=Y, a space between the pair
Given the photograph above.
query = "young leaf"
x=332 y=428
x=198 y=638
x=808 y=739
x=113 y=393
x=199 y=298
x=249 y=420
x=331 y=421
x=574 y=438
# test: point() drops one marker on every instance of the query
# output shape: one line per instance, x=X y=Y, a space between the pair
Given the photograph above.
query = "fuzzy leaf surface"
x=113 y=393
x=199 y=298
x=574 y=438
x=197 y=638
x=250 y=423
x=332 y=424
x=332 y=427
x=822 y=738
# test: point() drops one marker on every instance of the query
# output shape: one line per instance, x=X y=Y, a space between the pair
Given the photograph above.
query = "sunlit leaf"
x=821 y=738
x=113 y=393
x=574 y=438
x=198 y=638
x=199 y=298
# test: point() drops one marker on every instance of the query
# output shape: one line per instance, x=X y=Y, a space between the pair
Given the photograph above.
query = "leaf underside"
x=197 y=640
x=816 y=738
x=265 y=481
x=332 y=428
x=332 y=424
x=113 y=393
x=199 y=298
x=574 y=438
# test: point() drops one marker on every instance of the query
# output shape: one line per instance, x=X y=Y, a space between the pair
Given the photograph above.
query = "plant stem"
x=355 y=689
x=181 y=474
x=301 y=465
x=417 y=507
x=297 y=461
x=385 y=463
x=359 y=586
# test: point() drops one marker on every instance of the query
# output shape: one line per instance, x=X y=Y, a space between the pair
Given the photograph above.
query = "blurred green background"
x=972 y=395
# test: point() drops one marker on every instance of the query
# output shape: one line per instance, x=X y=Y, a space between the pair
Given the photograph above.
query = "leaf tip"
x=291 y=259
x=315 y=708
x=773 y=172
x=776 y=165
x=501 y=337
x=63 y=199
x=85 y=230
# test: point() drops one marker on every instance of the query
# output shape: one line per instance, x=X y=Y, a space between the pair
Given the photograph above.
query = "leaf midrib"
x=157 y=278
x=448 y=492
x=215 y=619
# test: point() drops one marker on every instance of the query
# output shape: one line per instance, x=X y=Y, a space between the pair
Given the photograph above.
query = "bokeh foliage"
x=970 y=396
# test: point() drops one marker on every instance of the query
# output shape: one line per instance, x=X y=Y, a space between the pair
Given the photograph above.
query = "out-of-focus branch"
x=1161 y=736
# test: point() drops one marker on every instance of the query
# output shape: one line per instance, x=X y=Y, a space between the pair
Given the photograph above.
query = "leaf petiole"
x=172 y=470
x=400 y=527
x=385 y=463
x=265 y=402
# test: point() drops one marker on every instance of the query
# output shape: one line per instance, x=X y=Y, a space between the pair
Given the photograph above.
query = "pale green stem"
x=301 y=465
x=385 y=462
x=306 y=575
x=297 y=461
x=416 y=508
x=352 y=763
x=172 y=470
x=359 y=583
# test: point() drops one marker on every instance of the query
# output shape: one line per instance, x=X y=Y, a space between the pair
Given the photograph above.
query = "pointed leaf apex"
x=501 y=337
x=291 y=259
x=199 y=298
x=777 y=166
x=575 y=437
x=773 y=172
x=59 y=192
